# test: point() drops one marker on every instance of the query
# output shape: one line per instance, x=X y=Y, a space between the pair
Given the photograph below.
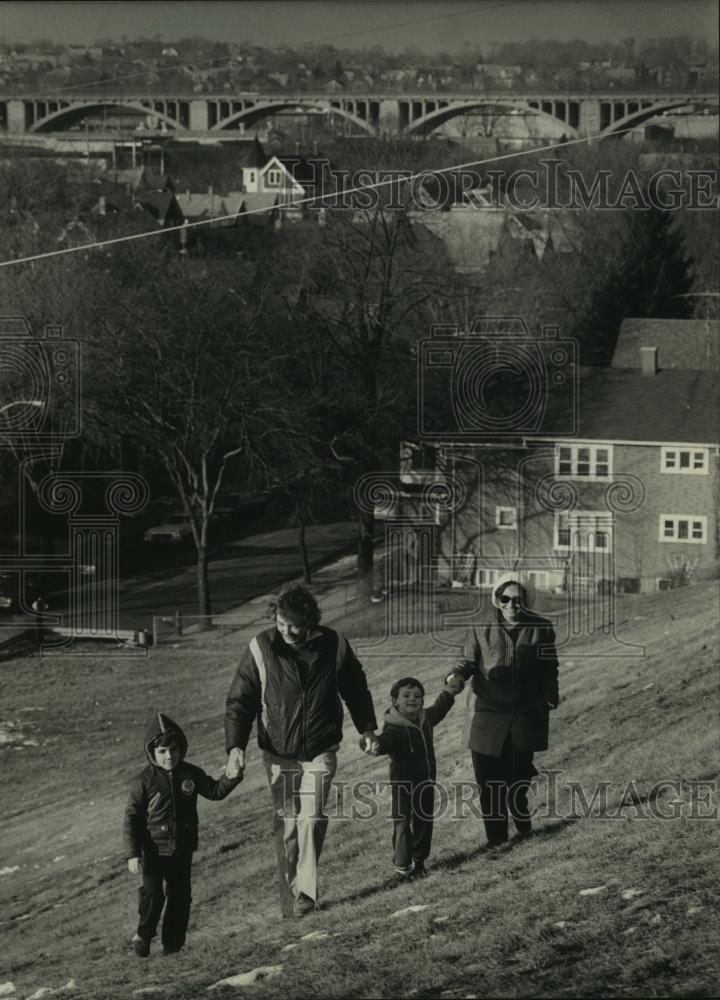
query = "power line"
x=296 y=203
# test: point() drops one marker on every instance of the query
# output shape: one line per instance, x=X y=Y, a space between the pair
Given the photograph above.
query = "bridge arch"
x=645 y=114
x=433 y=119
x=250 y=116
x=76 y=112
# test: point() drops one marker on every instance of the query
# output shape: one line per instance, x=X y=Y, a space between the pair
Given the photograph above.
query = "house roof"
x=681 y=343
x=470 y=235
x=624 y=405
x=252 y=201
x=158 y=203
x=250 y=153
x=197 y=206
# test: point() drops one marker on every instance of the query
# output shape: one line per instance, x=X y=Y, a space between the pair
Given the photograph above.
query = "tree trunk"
x=203 y=586
x=365 y=552
x=307 y=576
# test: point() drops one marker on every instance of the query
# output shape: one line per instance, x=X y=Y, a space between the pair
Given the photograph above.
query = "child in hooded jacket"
x=161 y=832
x=407 y=738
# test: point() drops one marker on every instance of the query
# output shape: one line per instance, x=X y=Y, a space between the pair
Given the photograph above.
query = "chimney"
x=649 y=360
x=315 y=147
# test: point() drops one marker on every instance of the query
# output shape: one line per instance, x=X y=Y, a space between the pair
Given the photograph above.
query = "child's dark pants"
x=504 y=782
x=413 y=807
x=174 y=871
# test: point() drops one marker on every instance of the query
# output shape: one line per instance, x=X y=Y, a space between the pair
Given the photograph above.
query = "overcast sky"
x=349 y=23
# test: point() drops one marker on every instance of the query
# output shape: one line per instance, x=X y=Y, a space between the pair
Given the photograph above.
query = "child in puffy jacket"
x=407 y=738
x=161 y=832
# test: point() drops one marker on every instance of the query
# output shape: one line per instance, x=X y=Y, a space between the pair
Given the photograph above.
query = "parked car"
x=175 y=528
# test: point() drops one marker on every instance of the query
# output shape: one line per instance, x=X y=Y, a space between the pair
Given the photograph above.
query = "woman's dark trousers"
x=504 y=783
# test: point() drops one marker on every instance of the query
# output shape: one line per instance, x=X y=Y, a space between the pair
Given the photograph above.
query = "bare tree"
x=189 y=373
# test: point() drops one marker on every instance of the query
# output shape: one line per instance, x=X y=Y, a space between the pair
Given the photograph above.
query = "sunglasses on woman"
x=504 y=599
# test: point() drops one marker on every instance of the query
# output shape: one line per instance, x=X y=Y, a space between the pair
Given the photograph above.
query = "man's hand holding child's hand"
x=135 y=866
x=369 y=744
x=235 y=767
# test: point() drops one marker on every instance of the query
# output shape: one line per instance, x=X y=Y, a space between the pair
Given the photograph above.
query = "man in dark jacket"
x=291 y=681
x=407 y=738
x=161 y=831
x=514 y=669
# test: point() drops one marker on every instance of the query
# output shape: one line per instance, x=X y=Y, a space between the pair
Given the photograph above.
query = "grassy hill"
x=516 y=924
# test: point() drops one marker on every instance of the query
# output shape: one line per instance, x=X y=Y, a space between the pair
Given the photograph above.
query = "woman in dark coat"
x=514 y=670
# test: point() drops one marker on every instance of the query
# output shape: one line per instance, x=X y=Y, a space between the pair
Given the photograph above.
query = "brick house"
x=624 y=497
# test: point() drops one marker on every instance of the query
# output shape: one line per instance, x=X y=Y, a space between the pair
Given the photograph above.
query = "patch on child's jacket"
x=187 y=787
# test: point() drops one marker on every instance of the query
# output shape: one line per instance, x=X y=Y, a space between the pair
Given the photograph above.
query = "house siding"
x=470 y=540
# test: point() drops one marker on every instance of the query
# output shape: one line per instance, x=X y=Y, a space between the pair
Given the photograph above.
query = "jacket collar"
x=397 y=719
x=279 y=644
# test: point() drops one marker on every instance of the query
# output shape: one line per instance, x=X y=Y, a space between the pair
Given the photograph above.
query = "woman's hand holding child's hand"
x=135 y=866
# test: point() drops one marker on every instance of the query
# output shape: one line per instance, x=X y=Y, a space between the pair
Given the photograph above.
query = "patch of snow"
x=657 y=919
x=648 y=686
x=289 y=947
x=631 y=893
x=630 y=930
x=440 y=920
x=695 y=909
x=560 y=924
x=315 y=936
x=6 y=989
x=44 y=991
x=594 y=891
x=248 y=978
x=60 y=857
x=9 y=870
x=410 y=909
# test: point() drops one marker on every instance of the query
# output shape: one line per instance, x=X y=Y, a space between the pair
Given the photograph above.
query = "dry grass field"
x=642 y=730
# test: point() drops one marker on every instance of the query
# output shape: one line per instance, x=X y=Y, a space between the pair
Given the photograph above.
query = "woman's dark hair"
x=406 y=682
x=296 y=601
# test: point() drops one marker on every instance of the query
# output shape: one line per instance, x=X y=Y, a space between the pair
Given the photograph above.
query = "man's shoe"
x=141 y=946
x=303 y=905
x=402 y=875
x=418 y=869
x=172 y=949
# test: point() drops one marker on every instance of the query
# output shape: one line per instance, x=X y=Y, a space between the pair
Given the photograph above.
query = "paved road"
x=239 y=570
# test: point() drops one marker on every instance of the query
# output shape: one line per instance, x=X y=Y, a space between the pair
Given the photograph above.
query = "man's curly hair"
x=297 y=602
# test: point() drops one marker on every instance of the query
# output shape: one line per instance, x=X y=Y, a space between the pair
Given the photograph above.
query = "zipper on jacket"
x=174 y=809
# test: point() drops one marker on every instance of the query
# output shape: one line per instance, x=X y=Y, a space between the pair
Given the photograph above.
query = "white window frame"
x=539 y=578
x=599 y=515
x=692 y=521
x=575 y=448
x=274 y=177
x=671 y=458
x=486 y=573
x=499 y=511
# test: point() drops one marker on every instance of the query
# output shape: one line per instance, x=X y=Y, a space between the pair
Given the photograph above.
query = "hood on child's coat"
x=398 y=719
x=162 y=725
